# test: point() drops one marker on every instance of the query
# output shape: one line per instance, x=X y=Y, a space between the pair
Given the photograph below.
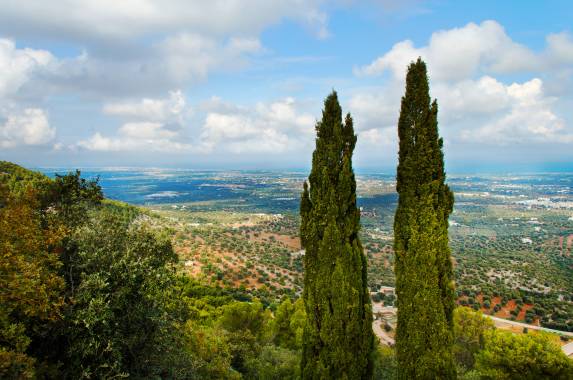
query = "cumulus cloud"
x=559 y=49
x=273 y=128
x=149 y=109
x=529 y=117
x=18 y=66
x=378 y=137
x=475 y=106
x=460 y=53
x=127 y=143
x=175 y=61
x=137 y=47
x=150 y=124
x=376 y=107
x=162 y=124
x=109 y=20
x=28 y=127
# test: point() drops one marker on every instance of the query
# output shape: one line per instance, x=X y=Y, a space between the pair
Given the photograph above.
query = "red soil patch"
x=524 y=308
x=494 y=301
x=290 y=242
x=231 y=263
x=505 y=311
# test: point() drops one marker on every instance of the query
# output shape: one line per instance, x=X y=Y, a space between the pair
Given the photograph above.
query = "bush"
x=469 y=330
x=509 y=356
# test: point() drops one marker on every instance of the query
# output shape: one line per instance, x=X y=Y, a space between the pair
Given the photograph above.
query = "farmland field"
x=511 y=235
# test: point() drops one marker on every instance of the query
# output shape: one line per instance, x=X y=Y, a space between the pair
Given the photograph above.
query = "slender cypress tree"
x=424 y=273
x=338 y=339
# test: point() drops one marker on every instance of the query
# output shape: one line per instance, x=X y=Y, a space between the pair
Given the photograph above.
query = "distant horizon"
x=357 y=170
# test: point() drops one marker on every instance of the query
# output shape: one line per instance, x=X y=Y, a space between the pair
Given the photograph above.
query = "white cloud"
x=462 y=53
x=475 y=106
x=529 y=118
x=378 y=137
x=149 y=109
x=28 y=127
x=376 y=107
x=146 y=131
x=188 y=56
x=273 y=128
x=468 y=98
x=119 y=20
x=175 y=61
x=559 y=49
x=139 y=47
x=152 y=142
x=154 y=124
x=18 y=65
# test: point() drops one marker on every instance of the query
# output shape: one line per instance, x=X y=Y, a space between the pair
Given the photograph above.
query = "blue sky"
x=240 y=84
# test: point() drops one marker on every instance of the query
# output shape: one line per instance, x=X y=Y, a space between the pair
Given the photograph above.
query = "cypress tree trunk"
x=338 y=339
x=424 y=273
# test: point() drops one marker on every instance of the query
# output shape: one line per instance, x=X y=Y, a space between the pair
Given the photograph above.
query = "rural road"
x=568 y=349
x=499 y=322
x=381 y=334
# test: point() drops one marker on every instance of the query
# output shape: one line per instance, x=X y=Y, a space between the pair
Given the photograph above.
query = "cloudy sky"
x=240 y=84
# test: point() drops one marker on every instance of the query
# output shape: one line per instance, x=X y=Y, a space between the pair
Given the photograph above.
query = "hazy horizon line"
x=357 y=170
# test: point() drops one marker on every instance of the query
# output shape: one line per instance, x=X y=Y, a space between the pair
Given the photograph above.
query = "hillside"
x=215 y=289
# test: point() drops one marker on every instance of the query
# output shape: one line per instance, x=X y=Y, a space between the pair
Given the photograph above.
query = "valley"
x=511 y=236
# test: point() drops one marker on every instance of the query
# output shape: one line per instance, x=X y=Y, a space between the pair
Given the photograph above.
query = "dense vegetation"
x=338 y=341
x=424 y=272
x=89 y=289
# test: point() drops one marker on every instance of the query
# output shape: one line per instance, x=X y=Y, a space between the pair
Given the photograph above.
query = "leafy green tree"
x=423 y=267
x=288 y=324
x=70 y=196
x=211 y=351
x=469 y=330
x=30 y=287
x=338 y=339
x=517 y=356
x=274 y=363
x=19 y=180
x=247 y=331
x=385 y=365
x=123 y=315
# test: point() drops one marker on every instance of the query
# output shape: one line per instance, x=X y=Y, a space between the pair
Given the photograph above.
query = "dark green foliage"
x=30 y=287
x=86 y=291
x=123 y=313
x=288 y=324
x=338 y=340
x=424 y=276
x=274 y=363
x=469 y=330
x=71 y=196
x=385 y=365
x=17 y=179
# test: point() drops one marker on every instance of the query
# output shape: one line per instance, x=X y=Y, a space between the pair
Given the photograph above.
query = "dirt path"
x=500 y=322
x=381 y=334
x=568 y=349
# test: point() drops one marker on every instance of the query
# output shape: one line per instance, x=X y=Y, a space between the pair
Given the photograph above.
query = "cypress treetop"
x=423 y=267
x=338 y=339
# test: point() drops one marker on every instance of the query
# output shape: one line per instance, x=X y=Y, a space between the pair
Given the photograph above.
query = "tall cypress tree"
x=424 y=273
x=338 y=339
